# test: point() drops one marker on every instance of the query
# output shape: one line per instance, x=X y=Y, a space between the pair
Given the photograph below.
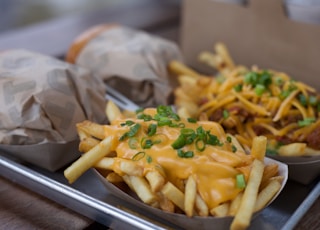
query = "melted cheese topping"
x=215 y=168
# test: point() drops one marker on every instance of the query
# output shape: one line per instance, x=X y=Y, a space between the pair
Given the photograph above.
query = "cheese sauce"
x=215 y=166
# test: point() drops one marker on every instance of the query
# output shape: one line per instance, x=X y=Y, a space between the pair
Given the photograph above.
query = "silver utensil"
x=120 y=100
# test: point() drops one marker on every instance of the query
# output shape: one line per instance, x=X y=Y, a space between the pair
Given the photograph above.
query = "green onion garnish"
x=200 y=145
x=238 y=88
x=133 y=131
x=259 y=89
x=240 y=180
x=179 y=142
x=225 y=114
x=192 y=120
x=152 y=129
x=187 y=154
x=138 y=156
x=303 y=99
x=234 y=148
x=146 y=143
x=149 y=159
x=307 y=121
x=313 y=100
x=133 y=143
x=213 y=140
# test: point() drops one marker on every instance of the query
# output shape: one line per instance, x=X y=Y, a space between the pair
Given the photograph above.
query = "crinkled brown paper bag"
x=133 y=62
x=42 y=100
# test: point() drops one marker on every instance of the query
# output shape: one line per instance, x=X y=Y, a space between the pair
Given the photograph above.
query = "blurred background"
x=18 y=13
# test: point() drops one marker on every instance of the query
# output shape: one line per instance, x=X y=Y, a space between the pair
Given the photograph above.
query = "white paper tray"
x=89 y=197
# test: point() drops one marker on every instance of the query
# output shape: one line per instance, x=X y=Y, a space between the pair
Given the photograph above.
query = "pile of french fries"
x=128 y=150
x=283 y=110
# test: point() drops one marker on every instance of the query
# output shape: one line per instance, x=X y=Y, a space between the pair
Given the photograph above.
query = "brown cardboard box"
x=256 y=33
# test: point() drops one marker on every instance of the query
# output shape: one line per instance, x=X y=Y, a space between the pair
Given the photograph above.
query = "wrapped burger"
x=125 y=58
x=42 y=100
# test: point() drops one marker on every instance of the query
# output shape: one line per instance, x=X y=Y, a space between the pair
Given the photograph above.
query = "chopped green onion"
x=271 y=151
x=187 y=132
x=234 y=148
x=238 y=88
x=259 y=89
x=201 y=133
x=146 y=143
x=278 y=81
x=187 y=154
x=144 y=117
x=152 y=129
x=200 y=145
x=302 y=99
x=164 y=121
x=192 y=120
x=139 y=110
x=229 y=139
x=127 y=123
x=149 y=159
x=307 y=121
x=213 y=140
x=284 y=94
x=133 y=131
x=313 y=100
x=138 y=156
x=133 y=143
x=225 y=114
x=179 y=142
x=240 y=180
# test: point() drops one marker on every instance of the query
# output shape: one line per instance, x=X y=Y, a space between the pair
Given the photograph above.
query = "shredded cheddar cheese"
x=260 y=102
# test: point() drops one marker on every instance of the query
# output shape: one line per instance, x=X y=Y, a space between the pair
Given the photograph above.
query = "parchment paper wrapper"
x=42 y=100
x=203 y=223
x=133 y=62
x=304 y=169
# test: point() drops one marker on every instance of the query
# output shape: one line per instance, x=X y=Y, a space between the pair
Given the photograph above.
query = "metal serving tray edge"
x=89 y=197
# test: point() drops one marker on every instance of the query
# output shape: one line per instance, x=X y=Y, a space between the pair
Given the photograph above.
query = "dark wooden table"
x=21 y=208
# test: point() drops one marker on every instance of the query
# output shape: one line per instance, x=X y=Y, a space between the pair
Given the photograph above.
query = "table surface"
x=23 y=209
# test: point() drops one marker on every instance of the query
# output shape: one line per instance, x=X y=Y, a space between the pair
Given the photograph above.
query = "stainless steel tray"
x=89 y=197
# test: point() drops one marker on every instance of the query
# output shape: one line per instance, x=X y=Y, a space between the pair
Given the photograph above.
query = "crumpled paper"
x=42 y=100
x=132 y=62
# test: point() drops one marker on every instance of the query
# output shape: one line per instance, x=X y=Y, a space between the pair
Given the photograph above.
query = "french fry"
x=221 y=210
x=88 y=160
x=267 y=194
x=270 y=170
x=235 y=204
x=155 y=179
x=92 y=129
x=210 y=59
x=259 y=145
x=105 y=163
x=190 y=195
x=222 y=51
x=112 y=111
x=293 y=149
x=142 y=189
x=128 y=167
x=173 y=194
x=243 y=216
x=179 y=68
x=113 y=177
x=87 y=143
x=164 y=203
x=201 y=206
